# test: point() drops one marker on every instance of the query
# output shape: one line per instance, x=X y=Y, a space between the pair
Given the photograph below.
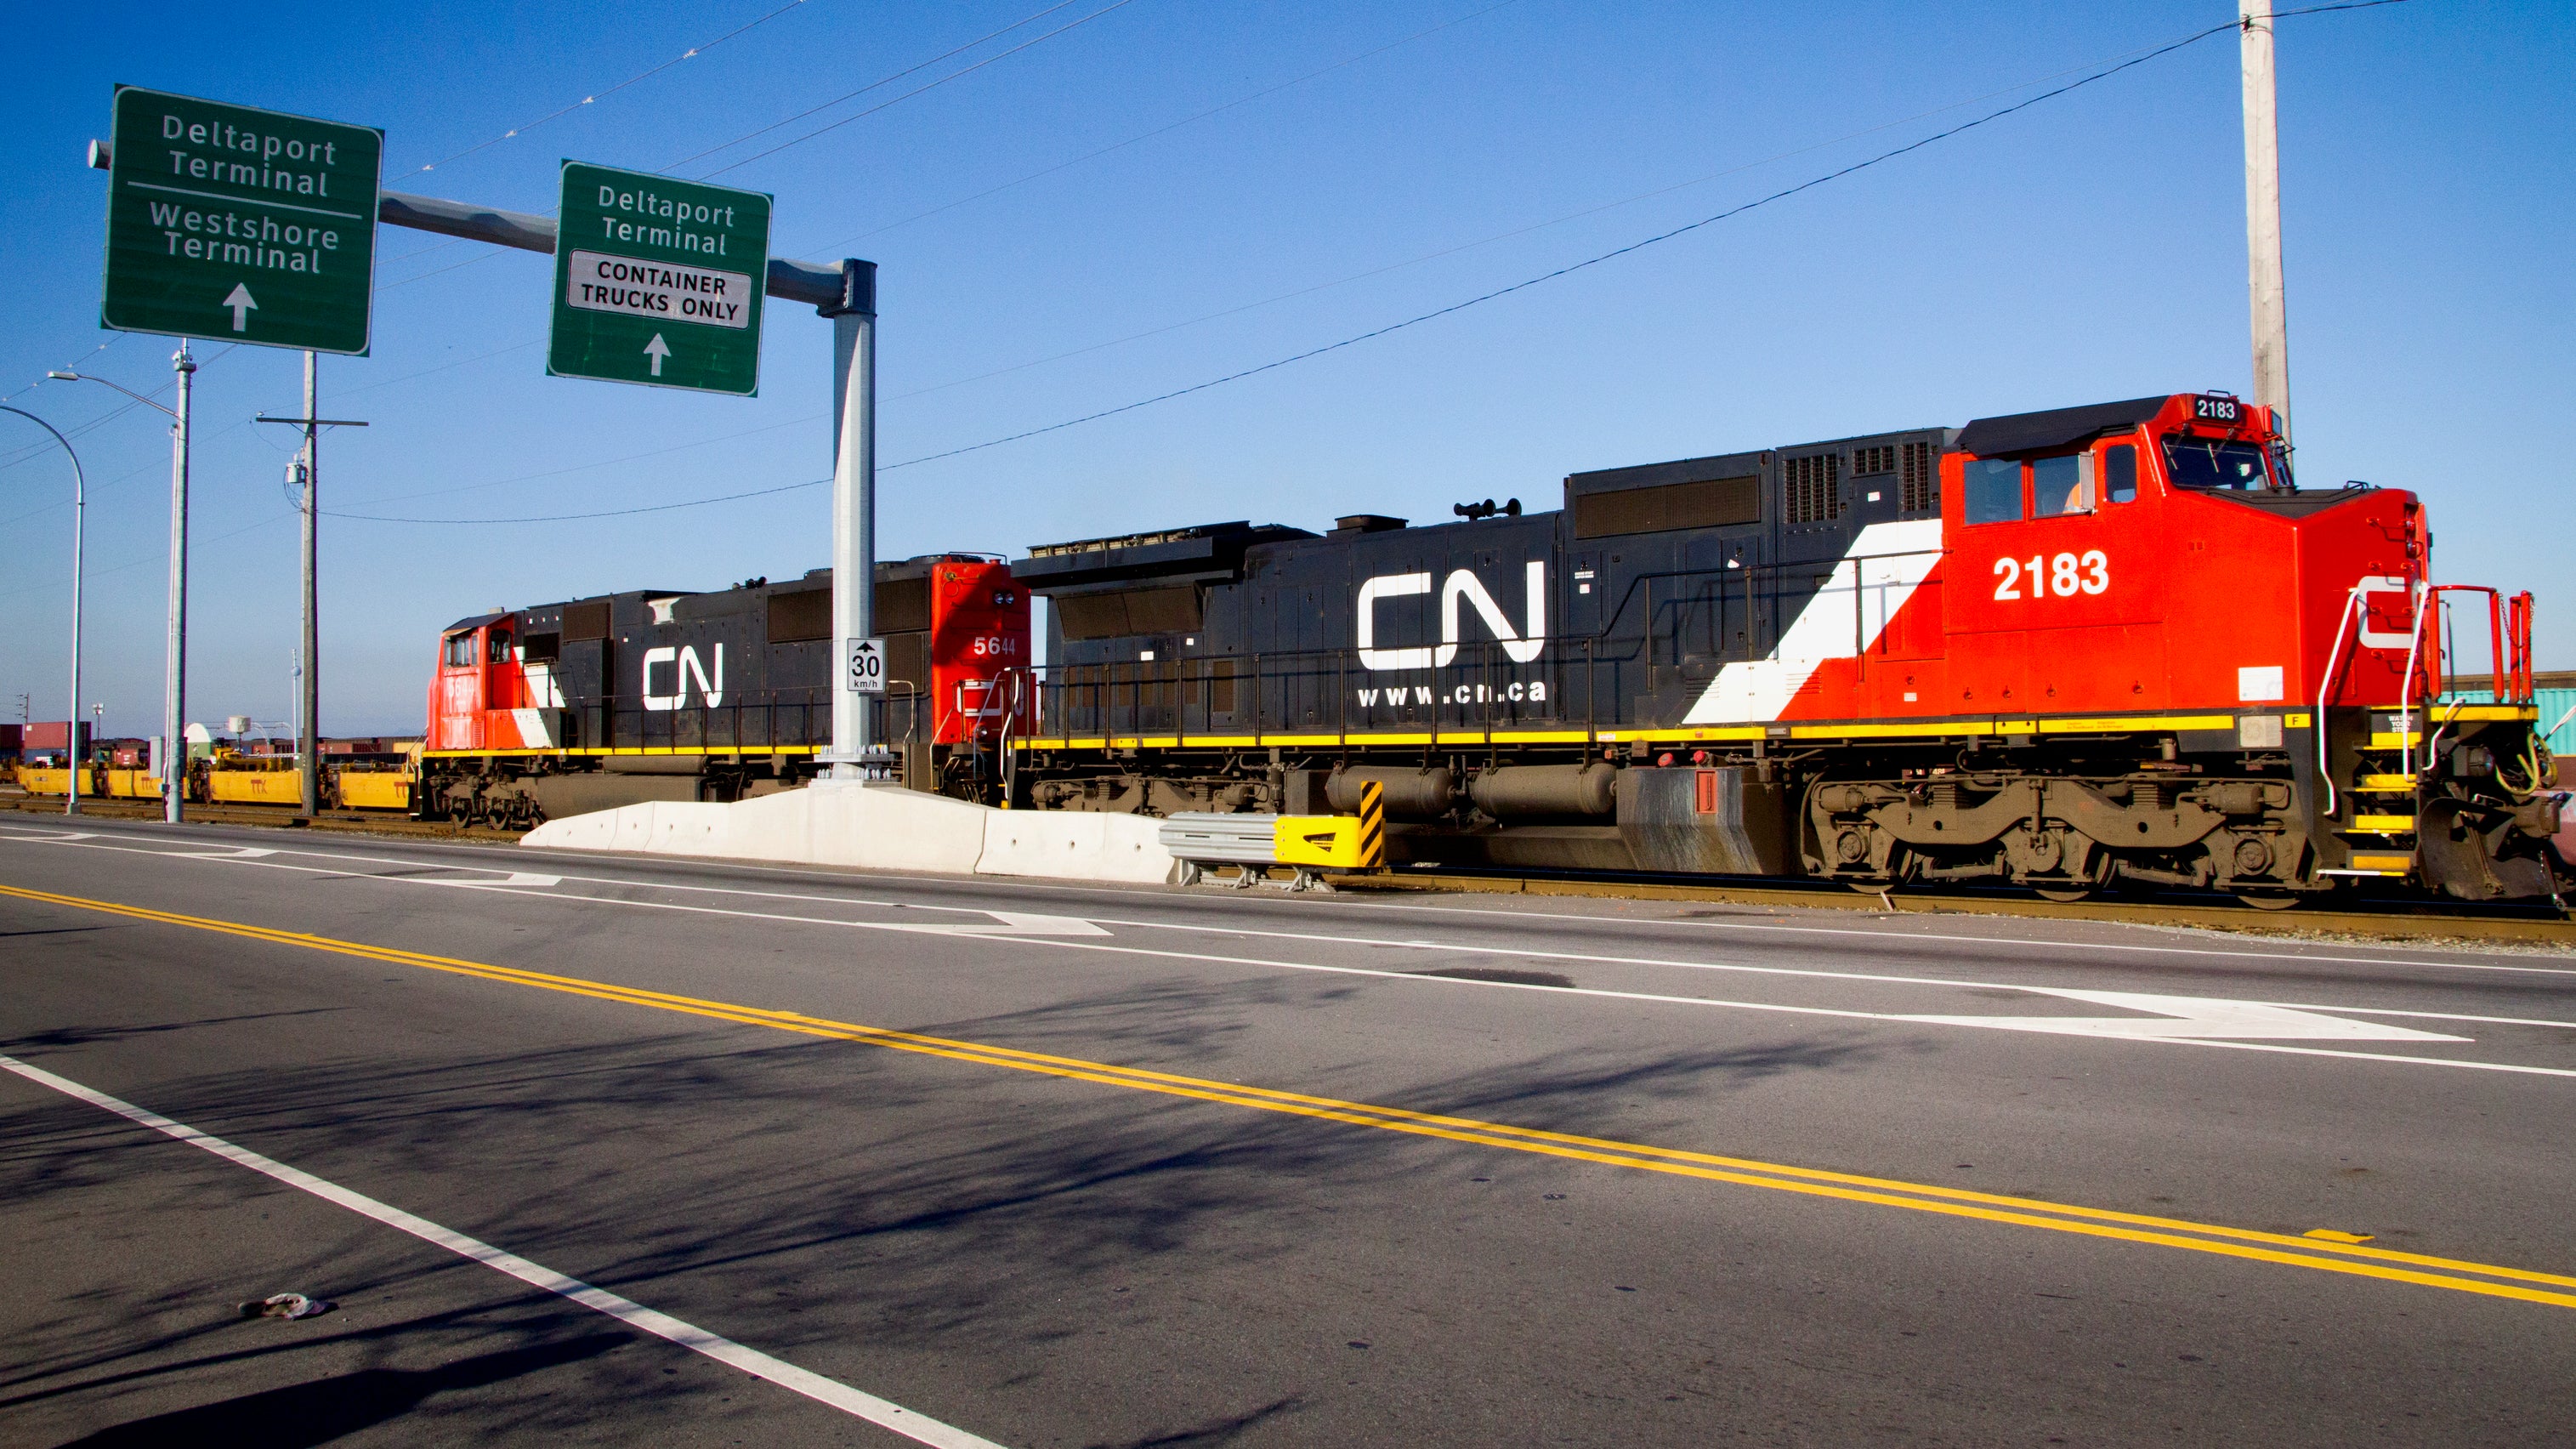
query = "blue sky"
x=2089 y=248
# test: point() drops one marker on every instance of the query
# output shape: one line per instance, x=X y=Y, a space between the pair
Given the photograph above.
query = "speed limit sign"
x=867 y=671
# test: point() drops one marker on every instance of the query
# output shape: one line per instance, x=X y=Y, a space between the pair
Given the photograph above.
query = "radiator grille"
x=1880 y=459
x=1922 y=481
x=1814 y=487
x=586 y=621
x=1709 y=503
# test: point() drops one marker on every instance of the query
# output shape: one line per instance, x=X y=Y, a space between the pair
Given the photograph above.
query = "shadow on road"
x=302 y=1415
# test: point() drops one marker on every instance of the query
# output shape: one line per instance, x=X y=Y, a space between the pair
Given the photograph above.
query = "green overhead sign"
x=658 y=281
x=239 y=224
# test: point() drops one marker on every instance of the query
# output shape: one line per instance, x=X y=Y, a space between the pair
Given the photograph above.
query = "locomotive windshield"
x=2214 y=463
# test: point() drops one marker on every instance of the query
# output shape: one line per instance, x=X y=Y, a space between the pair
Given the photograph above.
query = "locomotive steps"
x=879 y=827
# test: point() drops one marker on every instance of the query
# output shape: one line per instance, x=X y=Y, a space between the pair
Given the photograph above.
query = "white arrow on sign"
x=243 y=306
x=2190 y=1016
x=657 y=349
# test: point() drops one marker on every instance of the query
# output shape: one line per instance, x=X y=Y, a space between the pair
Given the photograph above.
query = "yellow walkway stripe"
x=2246 y=1243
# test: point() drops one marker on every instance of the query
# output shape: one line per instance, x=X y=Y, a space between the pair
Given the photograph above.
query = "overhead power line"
x=1782 y=194
x=1594 y=261
x=917 y=90
x=878 y=83
x=1571 y=268
x=13 y=457
x=609 y=513
x=1501 y=236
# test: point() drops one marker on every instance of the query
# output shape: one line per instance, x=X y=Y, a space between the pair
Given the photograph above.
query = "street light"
x=71 y=801
x=174 y=774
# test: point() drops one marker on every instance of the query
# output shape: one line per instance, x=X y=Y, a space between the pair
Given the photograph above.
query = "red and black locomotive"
x=2059 y=649
x=659 y=694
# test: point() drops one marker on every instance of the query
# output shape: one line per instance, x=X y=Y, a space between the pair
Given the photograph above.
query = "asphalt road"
x=596 y=1150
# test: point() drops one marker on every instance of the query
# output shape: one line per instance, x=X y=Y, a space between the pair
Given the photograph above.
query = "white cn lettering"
x=652 y=701
x=1387 y=586
x=685 y=666
x=713 y=691
x=1464 y=585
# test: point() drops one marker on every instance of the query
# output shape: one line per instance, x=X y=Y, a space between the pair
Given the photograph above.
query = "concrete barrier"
x=877 y=827
x=1074 y=845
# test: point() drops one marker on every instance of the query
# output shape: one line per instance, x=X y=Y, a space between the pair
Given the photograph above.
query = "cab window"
x=2213 y=463
x=2120 y=472
x=1993 y=490
x=2059 y=486
x=499 y=653
x=460 y=650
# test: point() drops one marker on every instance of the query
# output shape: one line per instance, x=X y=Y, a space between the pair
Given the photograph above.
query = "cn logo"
x=685 y=666
x=1462 y=585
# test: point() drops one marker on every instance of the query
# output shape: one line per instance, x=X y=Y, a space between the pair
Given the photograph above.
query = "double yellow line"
x=2357 y=1259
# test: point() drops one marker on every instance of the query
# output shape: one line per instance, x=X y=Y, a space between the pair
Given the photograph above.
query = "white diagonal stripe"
x=856 y=1402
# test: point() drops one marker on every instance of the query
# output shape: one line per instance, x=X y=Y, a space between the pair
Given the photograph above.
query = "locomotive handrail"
x=1777 y=567
x=2325 y=690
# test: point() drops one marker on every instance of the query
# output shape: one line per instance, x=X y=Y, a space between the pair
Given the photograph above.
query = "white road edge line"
x=881 y=1412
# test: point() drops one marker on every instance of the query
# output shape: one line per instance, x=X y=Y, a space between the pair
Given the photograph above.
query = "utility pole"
x=308 y=467
x=2263 y=214
x=174 y=712
x=308 y=735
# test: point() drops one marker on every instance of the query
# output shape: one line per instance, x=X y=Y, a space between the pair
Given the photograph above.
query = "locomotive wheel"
x=2268 y=903
x=2063 y=895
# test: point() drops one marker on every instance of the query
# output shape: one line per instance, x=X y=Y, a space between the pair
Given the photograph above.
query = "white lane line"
x=1018 y=923
x=1501 y=920
x=858 y=1403
x=1417 y=978
x=2186 y=1020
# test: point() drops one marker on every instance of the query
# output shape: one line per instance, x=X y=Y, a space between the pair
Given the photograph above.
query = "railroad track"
x=2394 y=920
x=2390 y=920
x=368 y=822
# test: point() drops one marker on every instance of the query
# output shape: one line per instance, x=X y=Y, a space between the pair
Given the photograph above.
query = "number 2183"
x=2066 y=575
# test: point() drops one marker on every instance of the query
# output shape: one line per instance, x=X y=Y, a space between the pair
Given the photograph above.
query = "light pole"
x=174 y=749
x=71 y=801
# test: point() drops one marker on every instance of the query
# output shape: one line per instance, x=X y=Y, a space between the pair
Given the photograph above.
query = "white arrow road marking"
x=243 y=306
x=2201 y=1017
x=657 y=349
x=525 y=879
x=1013 y=923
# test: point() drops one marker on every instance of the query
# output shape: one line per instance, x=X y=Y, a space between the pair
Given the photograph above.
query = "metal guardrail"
x=1220 y=839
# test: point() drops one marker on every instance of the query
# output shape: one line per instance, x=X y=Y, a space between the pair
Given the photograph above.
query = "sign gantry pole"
x=857 y=656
